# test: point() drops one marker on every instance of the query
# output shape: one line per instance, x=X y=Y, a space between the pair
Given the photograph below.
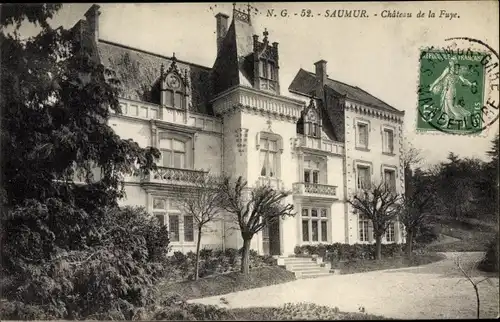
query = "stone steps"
x=305 y=267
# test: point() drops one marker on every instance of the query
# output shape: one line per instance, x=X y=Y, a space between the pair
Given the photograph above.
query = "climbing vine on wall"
x=137 y=79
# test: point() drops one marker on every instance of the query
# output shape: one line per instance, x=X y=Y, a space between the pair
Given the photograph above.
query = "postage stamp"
x=456 y=89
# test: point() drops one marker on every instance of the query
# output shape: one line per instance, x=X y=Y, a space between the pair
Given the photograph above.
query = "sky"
x=380 y=55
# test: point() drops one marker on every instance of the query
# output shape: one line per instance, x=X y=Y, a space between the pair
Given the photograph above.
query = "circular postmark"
x=458 y=89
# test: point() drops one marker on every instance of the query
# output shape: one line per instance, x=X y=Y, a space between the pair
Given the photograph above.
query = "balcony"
x=173 y=176
x=320 y=144
x=257 y=101
x=307 y=189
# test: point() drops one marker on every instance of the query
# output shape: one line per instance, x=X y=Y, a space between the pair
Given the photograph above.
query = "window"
x=363 y=229
x=390 y=233
x=311 y=176
x=388 y=139
x=267 y=70
x=173 y=99
x=390 y=179
x=188 y=228
x=313 y=130
x=180 y=227
x=268 y=157
x=362 y=131
x=173 y=153
x=314 y=224
x=363 y=179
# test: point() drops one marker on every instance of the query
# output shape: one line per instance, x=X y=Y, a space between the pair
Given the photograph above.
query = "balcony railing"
x=174 y=176
x=306 y=188
x=144 y=110
x=323 y=145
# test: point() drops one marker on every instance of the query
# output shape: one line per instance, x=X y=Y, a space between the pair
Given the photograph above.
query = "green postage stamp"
x=451 y=92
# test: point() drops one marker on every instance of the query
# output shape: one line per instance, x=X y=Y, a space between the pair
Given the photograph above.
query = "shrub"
x=180 y=266
x=490 y=262
x=426 y=234
x=174 y=308
x=347 y=252
x=113 y=278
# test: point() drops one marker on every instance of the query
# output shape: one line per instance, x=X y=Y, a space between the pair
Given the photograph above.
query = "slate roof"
x=305 y=82
x=234 y=63
x=139 y=71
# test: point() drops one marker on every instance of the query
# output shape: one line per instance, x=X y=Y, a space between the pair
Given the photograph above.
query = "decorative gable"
x=174 y=85
x=310 y=123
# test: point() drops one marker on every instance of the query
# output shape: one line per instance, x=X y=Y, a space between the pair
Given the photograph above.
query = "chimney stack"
x=222 y=20
x=320 y=76
x=92 y=16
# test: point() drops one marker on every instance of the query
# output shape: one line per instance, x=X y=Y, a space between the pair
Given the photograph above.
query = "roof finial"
x=248 y=8
x=162 y=70
x=173 y=56
x=234 y=5
x=265 y=33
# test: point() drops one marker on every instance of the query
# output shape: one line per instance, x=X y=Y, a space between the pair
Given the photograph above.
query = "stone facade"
x=232 y=119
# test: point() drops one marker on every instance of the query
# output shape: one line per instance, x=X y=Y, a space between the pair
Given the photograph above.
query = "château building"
x=320 y=138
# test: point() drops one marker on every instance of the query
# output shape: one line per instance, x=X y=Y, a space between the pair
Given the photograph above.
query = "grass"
x=359 y=266
x=473 y=234
x=227 y=283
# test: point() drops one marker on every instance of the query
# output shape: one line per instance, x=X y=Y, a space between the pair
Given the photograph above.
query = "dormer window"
x=267 y=69
x=312 y=126
x=174 y=86
x=174 y=94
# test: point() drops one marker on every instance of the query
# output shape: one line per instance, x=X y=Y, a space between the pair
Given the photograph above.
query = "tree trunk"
x=197 y=261
x=378 y=244
x=245 y=256
x=409 y=242
x=478 y=308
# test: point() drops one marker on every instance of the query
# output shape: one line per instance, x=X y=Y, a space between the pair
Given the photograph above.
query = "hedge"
x=348 y=252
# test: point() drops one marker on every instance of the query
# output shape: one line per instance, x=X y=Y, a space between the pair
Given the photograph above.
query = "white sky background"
x=379 y=55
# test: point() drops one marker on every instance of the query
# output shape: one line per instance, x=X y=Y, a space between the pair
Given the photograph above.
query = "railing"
x=174 y=176
x=323 y=145
x=144 y=110
x=314 y=189
x=258 y=101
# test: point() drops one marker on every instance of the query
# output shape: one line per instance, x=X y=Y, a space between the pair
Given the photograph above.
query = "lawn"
x=473 y=235
x=227 y=283
x=359 y=266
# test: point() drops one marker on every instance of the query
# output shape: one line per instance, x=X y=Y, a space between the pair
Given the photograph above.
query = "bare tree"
x=475 y=283
x=200 y=200
x=380 y=205
x=252 y=210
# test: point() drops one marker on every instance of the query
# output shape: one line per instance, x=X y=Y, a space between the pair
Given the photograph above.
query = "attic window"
x=173 y=99
x=174 y=94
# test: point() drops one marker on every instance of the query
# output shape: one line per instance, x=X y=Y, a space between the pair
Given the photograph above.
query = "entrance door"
x=271 y=239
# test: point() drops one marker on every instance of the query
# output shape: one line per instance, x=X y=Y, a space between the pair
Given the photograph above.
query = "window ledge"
x=392 y=154
x=359 y=148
